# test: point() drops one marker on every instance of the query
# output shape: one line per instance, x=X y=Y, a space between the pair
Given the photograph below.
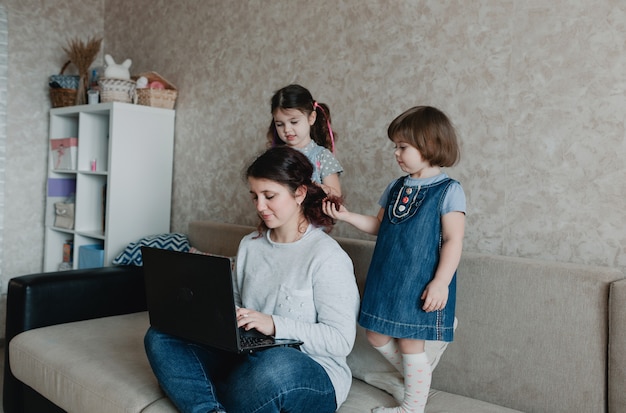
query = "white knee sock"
x=392 y=354
x=417 y=377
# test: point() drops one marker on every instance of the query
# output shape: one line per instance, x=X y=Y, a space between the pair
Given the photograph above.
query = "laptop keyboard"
x=252 y=341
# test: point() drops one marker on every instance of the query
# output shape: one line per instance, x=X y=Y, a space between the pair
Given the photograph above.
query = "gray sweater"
x=309 y=288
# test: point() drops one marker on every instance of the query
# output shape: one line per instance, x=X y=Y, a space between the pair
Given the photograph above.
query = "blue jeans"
x=200 y=379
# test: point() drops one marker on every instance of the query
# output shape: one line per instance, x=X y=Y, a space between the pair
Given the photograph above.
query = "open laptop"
x=191 y=296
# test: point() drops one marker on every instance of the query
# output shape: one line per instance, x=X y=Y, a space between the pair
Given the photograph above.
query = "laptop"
x=191 y=296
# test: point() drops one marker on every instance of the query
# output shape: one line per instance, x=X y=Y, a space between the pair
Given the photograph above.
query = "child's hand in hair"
x=334 y=208
x=365 y=223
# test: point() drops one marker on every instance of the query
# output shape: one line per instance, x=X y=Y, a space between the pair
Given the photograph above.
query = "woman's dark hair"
x=298 y=97
x=292 y=169
x=430 y=131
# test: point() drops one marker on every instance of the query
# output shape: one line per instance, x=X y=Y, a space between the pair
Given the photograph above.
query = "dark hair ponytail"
x=322 y=132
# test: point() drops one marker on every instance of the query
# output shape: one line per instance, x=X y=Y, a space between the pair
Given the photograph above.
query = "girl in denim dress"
x=410 y=291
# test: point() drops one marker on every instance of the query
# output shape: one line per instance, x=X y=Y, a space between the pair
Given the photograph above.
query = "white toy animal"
x=115 y=71
x=142 y=82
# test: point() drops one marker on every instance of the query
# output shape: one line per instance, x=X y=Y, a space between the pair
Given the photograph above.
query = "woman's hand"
x=249 y=319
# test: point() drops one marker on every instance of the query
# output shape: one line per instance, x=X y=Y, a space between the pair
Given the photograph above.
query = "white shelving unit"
x=128 y=195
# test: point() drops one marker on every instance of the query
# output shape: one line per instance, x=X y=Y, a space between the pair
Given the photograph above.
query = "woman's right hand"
x=249 y=319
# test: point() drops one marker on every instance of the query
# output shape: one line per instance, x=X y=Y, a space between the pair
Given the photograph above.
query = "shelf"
x=127 y=195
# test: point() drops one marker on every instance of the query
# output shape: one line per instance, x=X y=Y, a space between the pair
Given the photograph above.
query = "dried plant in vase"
x=83 y=55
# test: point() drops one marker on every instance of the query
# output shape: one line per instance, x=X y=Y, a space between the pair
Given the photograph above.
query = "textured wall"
x=4 y=49
x=38 y=31
x=536 y=90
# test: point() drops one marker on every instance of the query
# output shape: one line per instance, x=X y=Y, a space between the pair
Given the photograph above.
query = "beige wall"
x=536 y=90
x=38 y=31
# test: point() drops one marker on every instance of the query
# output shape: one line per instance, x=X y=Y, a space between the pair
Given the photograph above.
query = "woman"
x=292 y=281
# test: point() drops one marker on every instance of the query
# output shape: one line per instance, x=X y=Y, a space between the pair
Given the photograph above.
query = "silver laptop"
x=191 y=296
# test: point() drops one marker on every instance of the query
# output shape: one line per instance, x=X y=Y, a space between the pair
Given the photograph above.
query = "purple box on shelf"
x=61 y=187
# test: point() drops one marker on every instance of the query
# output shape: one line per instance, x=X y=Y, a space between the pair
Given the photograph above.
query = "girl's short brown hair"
x=430 y=131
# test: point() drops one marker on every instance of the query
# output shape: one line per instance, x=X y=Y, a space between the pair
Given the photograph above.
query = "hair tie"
x=330 y=129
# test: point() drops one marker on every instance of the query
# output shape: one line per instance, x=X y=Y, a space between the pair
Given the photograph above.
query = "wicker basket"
x=64 y=94
x=62 y=97
x=160 y=98
x=116 y=90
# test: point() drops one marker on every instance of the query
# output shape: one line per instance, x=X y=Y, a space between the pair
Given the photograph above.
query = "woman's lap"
x=273 y=380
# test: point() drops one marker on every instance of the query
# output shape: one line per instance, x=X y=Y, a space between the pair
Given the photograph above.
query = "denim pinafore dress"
x=404 y=261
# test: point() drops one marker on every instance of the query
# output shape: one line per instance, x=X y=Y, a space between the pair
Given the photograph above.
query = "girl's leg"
x=281 y=379
x=417 y=378
x=389 y=349
x=184 y=371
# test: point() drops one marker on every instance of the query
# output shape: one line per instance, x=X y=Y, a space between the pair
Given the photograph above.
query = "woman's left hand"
x=249 y=319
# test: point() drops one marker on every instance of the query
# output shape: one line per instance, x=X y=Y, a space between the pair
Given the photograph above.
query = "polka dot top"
x=323 y=160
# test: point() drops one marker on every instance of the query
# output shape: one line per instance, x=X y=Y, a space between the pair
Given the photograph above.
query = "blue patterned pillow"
x=132 y=253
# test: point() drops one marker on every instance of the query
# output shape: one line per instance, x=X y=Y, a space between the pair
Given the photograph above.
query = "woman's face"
x=294 y=126
x=276 y=205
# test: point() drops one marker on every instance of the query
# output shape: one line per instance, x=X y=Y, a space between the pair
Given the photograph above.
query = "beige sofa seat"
x=95 y=366
x=99 y=366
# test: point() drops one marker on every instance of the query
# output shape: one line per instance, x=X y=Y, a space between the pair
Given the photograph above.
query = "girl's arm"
x=366 y=223
x=435 y=295
x=331 y=185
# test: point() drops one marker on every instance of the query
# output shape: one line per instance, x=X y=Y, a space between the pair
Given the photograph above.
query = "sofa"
x=532 y=336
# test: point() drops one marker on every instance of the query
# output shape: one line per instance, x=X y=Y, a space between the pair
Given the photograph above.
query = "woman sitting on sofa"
x=292 y=281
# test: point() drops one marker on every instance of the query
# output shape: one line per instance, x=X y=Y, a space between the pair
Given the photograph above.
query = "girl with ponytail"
x=302 y=123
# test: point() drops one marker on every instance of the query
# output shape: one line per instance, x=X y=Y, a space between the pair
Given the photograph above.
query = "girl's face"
x=411 y=161
x=277 y=206
x=294 y=126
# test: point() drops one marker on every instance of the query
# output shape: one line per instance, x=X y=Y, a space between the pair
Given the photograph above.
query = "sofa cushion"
x=132 y=253
x=532 y=334
x=96 y=366
x=59 y=362
x=617 y=347
x=363 y=398
x=232 y=259
x=204 y=236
